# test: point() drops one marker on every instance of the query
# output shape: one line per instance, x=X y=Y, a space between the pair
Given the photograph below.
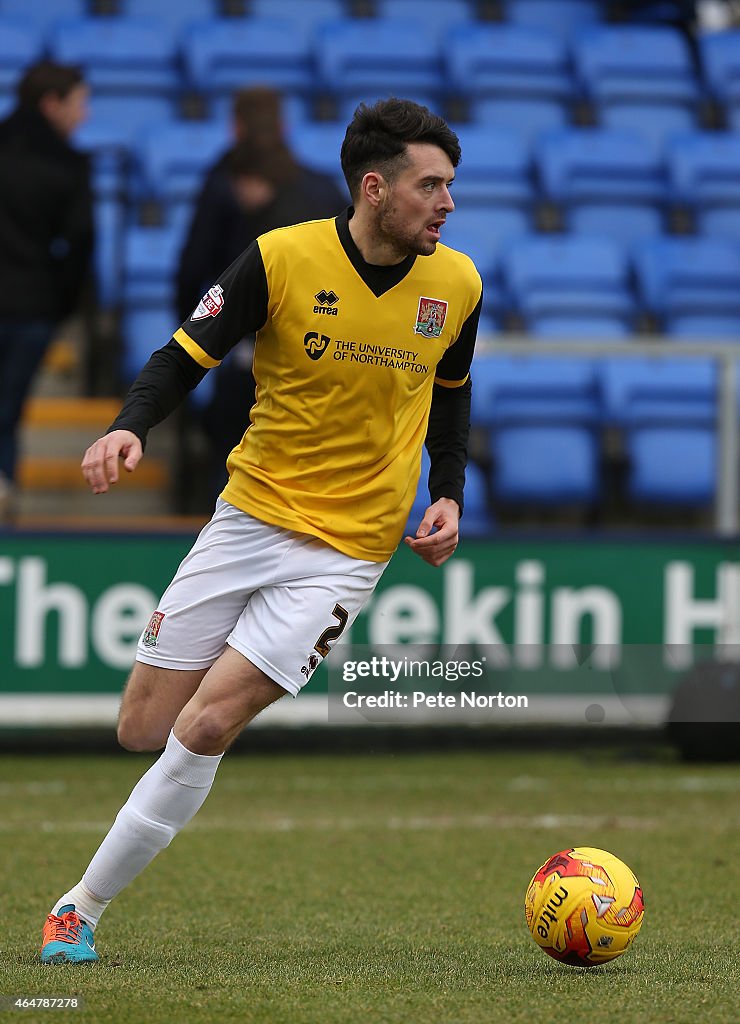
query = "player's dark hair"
x=377 y=138
x=45 y=77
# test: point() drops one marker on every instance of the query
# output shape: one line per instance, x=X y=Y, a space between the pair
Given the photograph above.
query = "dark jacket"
x=220 y=230
x=46 y=220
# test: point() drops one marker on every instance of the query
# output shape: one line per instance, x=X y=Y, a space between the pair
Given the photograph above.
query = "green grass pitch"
x=326 y=889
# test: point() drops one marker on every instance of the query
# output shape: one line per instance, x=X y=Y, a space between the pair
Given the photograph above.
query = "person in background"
x=46 y=237
x=268 y=189
x=222 y=226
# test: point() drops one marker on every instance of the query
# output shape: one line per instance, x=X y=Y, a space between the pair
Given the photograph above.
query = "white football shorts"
x=279 y=598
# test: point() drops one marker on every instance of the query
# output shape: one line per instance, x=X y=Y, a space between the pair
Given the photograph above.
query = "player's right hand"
x=100 y=462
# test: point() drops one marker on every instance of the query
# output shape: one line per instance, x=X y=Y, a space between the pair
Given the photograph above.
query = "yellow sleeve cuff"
x=194 y=350
x=451 y=383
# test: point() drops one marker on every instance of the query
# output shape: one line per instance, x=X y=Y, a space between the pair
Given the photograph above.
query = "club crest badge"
x=430 y=317
x=211 y=304
x=149 y=637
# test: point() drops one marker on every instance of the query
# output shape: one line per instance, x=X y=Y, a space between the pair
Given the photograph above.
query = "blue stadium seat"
x=649 y=391
x=607 y=182
x=317 y=144
x=145 y=328
x=307 y=15
x=43 y=14
x=20 y=45
x=672 y=465
x=380 y=56
x=150 y=259
x=655 y=124
x=590 y=165
x=108 y=255
x=119 y=55
x=224 y=54
x=546 y=466
x=704 y=170
x=689 y=277
x=568 y=276
x=527 y=117
x=542 y=416
x=495 y=167
x=589 y=328
x=702 y=328
x=118 y=122
x=109 y=174
x=666 y=410
x=625 y=63
x=529 y=390
x=622 y=222
x=720 y=52
x=488 y=324
x=174 y=156
x=174 y=15
x=507 y=61
x=111 y=133
x=561 y=17
x=446 y=12
x=719 y=222
x=477 y=520
x=483 y=233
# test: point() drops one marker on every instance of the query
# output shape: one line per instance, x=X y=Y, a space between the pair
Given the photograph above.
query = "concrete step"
x=62 y=356
x=124 y=508
x=135 y=521
x=62 y=473
x=68 y=412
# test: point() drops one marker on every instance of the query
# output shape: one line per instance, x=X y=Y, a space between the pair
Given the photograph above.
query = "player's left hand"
x=437 y=547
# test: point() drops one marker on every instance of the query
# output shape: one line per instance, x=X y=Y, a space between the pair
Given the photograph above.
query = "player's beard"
x=399 y=235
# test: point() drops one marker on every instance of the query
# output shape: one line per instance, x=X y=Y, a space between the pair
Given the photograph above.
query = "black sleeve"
x=449 y=416
x=160 y=387
x=455 y=363
x=234 y=307
x=447 y=442
x=238 y=307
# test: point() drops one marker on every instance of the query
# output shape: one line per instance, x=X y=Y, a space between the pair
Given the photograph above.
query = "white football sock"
x=87 y=906
x=161 y=803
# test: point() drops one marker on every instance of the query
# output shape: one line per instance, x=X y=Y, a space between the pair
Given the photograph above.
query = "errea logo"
x=327 y=302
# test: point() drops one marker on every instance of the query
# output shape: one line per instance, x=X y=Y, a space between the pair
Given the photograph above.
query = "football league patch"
x=211 y=304
x=150 y=634
x=430 y=317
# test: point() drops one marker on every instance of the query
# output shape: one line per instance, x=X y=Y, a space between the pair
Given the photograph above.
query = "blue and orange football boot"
x=67 y=939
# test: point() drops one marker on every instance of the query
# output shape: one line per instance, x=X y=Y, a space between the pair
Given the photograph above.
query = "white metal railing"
x=725 y=353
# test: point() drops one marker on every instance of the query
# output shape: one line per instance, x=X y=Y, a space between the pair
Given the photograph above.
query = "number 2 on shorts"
x=332 y=632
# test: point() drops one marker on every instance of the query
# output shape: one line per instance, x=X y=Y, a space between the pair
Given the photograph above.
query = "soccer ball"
x=584 y=907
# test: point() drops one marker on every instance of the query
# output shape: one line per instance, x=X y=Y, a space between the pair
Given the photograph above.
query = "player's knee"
x=138 y=736
x=209 y=730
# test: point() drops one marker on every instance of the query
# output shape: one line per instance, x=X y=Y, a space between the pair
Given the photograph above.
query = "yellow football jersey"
x=346 y=356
